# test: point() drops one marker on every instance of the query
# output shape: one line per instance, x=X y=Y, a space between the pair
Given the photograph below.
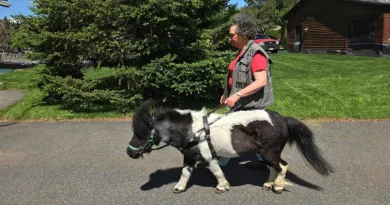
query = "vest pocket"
x=242 y=76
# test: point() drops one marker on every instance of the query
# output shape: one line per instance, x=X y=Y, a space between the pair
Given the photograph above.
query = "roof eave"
x=293 y=9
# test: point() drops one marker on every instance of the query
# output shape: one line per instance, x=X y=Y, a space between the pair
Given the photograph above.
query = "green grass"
x=21 y=79
x=305 y=87
x=32 y=108
x=328 y=86
x=94 y=73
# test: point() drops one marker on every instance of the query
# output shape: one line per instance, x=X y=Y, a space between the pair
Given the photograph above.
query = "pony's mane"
x=197 y=117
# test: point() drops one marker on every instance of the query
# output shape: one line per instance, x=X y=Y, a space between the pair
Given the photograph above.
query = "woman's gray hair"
x=246 y=26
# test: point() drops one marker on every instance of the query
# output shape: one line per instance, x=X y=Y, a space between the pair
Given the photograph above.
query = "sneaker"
x=222 y=161
x=255 y=165
x=259 y=158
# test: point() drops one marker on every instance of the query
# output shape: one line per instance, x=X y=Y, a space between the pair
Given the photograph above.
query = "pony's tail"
x=303 y=137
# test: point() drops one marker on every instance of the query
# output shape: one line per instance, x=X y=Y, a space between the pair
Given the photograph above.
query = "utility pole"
x=5 y=3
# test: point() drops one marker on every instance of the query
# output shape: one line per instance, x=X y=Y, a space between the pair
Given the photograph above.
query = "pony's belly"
x=221 y=132
x=222 y=142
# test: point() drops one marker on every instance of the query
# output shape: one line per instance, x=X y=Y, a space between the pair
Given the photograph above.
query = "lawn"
x=305 y=87
x=330 y=86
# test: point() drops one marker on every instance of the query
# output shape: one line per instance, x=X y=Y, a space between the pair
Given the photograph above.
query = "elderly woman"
x=249 y=77
x=248 y=80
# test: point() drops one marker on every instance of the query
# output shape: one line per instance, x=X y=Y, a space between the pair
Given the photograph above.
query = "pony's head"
x=144 y=134
x=172 y=126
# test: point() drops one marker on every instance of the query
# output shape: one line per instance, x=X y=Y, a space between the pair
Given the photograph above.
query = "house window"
x=361 y=27
x=361 y=30
x=298 y=33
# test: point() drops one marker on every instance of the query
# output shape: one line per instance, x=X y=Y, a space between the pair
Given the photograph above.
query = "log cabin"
x=356 y=27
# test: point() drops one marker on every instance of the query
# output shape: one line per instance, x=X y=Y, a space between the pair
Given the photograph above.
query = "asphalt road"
x=86 y=163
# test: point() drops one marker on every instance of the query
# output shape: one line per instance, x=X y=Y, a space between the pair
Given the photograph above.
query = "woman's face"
x=237 y=40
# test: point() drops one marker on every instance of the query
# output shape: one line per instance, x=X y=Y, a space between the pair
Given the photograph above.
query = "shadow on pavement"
x=235 y=173
x=5 y=124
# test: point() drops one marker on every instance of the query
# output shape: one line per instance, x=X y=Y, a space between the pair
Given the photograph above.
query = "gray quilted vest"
x=242 y=77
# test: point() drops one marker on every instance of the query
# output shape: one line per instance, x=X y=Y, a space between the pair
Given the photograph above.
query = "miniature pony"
x=262 y=131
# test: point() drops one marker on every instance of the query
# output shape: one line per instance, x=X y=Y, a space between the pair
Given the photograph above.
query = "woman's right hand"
x=222 y=100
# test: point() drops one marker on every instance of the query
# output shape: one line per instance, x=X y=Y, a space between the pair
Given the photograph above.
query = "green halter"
x=150 y=141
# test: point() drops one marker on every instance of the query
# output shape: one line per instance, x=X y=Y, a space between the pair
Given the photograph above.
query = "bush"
x=81 y=95
x=163 y=79
x=183 y=82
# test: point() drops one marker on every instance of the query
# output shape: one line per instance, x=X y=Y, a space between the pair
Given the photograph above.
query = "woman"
x=249 y=77
x=248 y=80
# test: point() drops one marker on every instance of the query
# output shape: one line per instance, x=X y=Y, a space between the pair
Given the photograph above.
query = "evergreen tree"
x=158 y=48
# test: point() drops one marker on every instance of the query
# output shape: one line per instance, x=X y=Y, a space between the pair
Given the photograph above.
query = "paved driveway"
x=86 y=163
x=9 y=97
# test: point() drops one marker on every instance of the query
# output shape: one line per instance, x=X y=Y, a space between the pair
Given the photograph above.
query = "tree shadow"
x=6 y=124
x=235 y=173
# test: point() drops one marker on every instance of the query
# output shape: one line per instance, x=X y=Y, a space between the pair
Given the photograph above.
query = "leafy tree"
x=217 y=31
x=116 y=32
x=5 y=33
x=268 y=15
x=152 y=44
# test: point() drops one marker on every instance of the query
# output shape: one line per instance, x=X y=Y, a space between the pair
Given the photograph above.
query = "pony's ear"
x=143 y=119
x=149 y=106
x=149 y=103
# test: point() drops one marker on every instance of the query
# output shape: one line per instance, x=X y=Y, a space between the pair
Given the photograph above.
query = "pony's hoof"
x=219 y=191
x=278 y=190
x=222 y=188
x=177 y=191
x=267 y=187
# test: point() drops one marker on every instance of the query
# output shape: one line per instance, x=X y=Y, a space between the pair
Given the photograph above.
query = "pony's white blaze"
x=220 y=130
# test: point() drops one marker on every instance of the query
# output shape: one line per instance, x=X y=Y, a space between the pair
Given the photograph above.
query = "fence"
x=12 y=54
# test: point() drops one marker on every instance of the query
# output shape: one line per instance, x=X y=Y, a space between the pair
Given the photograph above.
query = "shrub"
x=163 y=79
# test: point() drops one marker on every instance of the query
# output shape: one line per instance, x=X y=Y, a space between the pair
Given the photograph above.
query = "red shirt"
x=259 y=62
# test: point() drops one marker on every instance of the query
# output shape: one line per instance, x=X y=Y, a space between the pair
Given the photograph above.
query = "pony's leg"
x=185 y=175
x=271 y=178
x=278 y=168
x=270 y=159
x=276 y=180
x=223 y=184
x=280 y=179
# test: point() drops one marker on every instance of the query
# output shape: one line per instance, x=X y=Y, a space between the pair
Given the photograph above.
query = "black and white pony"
x=238 y=133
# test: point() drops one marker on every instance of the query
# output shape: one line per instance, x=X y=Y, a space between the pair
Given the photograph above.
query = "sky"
x=21 y=7
x=18 y=7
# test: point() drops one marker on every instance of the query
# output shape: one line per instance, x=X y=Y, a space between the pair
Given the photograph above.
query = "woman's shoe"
x=257 y=164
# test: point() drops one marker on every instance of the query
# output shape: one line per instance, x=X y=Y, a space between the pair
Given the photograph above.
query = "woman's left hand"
x=231 y=101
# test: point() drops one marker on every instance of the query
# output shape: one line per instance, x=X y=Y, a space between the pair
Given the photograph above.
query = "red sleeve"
x=259 y=62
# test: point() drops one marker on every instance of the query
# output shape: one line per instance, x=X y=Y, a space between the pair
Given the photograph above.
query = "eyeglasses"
x=231 y=35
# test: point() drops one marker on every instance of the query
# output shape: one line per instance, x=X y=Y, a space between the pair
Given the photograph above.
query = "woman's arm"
x=258 y=84
x=260 y=81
